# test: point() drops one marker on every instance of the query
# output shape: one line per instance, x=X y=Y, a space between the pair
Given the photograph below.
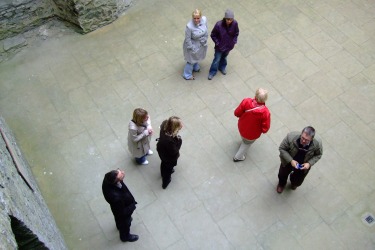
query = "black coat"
x=168 y=147
x=121 y=200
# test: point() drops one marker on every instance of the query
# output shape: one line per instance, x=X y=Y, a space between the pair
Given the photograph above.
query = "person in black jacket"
x=168 y=147
x=122 y=202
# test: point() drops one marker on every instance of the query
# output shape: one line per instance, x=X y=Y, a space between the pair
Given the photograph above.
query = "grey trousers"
x=245 y=145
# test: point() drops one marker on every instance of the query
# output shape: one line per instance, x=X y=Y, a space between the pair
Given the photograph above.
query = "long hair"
x=139 y=116
x=173 y=126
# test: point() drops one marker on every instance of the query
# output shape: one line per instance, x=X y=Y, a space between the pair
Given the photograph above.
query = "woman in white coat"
x=195 y=44
x=139 y=136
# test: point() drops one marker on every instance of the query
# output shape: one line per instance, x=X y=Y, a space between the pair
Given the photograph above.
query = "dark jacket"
x=225 y=37
x=168 y=147
x=121 y=200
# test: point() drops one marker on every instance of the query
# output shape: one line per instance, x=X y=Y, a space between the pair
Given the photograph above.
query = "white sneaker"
x=237 y=160
x=150 y=152
x=145 y=162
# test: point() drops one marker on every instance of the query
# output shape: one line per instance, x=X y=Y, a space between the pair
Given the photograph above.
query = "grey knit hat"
x=229 y=14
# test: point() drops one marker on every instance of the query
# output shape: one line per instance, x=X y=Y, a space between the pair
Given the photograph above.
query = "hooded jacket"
x=225 y=37
x=254 y=118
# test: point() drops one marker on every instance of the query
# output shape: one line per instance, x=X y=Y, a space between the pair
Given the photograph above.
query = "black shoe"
x=165 y=185
x=131 y=238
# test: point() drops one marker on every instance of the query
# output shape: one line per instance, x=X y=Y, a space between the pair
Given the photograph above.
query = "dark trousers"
x=296 y=175
x=166 y=169
x=123 y=225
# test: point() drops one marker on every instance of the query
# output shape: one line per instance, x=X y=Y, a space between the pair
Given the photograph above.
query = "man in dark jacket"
x=122 y=203
x=299 y=151
x=224 y=34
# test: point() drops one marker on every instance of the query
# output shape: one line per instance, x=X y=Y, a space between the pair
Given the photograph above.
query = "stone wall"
x=97 y=13
x=21 y=202
x=20 y=16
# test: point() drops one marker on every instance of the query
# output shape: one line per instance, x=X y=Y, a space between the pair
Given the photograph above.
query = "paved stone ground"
x=69 y=100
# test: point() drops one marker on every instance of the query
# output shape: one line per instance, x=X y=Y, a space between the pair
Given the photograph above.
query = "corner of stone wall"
x=17 y=199
x=95 y=14
x=25 y=21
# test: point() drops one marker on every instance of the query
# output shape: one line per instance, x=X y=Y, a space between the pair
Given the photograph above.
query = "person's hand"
x=150 y=131
x=306 y=165
x=203 y=40
x=294 y=164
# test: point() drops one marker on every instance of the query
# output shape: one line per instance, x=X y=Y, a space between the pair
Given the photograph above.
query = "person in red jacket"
x=254 y=119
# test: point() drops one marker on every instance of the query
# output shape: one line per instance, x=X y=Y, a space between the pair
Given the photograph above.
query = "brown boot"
x=279 y=189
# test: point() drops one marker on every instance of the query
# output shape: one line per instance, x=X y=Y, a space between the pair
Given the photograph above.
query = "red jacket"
x=253 y=123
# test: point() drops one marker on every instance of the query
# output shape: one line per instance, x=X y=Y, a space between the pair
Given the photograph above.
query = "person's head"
x=140 y=116
x=307 y=135
x=261 y=95
x=173 y=126
x=114 y=176
x=228 y=17
x=196 y=15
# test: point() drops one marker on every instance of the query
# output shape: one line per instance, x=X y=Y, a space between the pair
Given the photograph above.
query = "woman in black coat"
x=168 y=147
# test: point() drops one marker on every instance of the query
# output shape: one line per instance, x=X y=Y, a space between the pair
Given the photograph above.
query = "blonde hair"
x=261 y=95
x=196 y=12
x=139 y=116
x=173 y=126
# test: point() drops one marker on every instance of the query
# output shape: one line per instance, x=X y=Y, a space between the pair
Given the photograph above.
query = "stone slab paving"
x=69 y=100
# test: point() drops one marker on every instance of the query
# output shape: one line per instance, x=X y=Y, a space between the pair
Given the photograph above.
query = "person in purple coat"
x=224 y=35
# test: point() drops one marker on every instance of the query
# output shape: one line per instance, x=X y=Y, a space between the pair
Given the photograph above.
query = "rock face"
x=94 y=14
x=19 y=16
x=25 y=220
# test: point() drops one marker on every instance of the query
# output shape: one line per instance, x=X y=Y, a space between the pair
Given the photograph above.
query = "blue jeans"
x=219 y=62
x=188 y=70
x=140 y=160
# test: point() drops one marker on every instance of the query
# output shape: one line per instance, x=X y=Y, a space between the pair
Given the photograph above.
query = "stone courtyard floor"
x=69 y=100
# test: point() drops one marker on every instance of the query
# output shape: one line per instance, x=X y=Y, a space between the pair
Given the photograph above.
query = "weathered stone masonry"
x=19 y=16
x=17 y=200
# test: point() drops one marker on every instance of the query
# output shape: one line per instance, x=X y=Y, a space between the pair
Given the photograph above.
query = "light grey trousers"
x=245 y=145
